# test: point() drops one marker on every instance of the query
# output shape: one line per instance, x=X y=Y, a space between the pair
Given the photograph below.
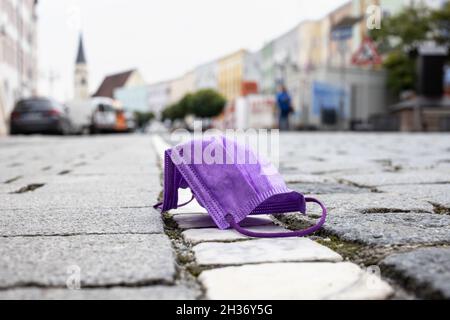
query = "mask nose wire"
x=300 y=233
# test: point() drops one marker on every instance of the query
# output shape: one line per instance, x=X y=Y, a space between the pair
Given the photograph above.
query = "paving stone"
x=293 y=281
x=390 y=228
x=263 y=250
x=363 y=202
x=103 y=260
x=343 y=165
x=145 y=293
x=198 y=221
x=426 y=271
x=79 y=221
x=294 y=178
x=399 y=178
x=196 y=236
x=48 y=201
x=435 y=193
x=189 y=210
x=325 y=188
x=118 y=169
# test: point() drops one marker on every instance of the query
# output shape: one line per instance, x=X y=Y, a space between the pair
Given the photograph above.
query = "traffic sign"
x=367 y=54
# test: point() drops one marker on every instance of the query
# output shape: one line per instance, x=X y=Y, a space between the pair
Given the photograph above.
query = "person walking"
x=284 y=104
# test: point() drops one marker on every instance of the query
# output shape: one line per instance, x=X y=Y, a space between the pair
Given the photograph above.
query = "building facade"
x=239 y=73
x=206 y=76
x=134 y=98
x=18 y=54
x=267 y=83
x=158 y=97
x=122 y=80
x=179 y=87
x=231 y=74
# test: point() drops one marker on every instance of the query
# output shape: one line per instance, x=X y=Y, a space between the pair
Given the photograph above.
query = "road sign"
x=367 y=54
x=342 y=33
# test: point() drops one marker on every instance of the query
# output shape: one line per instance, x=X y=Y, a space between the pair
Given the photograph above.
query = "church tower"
x=81 y=74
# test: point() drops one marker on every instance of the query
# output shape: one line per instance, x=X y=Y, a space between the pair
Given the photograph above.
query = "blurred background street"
x=378 y=65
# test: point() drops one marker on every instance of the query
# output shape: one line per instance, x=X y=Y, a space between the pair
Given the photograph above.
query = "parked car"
x=39 y=115
x=104 y=117
x=81 y=115
x=109 y=116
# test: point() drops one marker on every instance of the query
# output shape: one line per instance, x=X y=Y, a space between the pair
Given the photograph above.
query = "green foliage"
x=185 y=104
x=143 y=118
x=401 y=72
x=174 y=112
x=440 y=24
x=203 y=104
x=207 y=103
x=402 y=33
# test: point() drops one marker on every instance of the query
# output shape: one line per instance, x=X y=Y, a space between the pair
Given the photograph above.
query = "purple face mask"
x=231 y=183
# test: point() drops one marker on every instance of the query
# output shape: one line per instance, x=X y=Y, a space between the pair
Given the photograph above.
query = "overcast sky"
x=163 y=38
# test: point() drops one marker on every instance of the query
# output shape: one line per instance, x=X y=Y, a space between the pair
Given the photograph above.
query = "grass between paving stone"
x=438 y=209
x=358 y=253
x=187 y=268
x=372 y=189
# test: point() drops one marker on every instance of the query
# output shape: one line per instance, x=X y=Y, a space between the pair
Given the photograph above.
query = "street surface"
x=76 y=213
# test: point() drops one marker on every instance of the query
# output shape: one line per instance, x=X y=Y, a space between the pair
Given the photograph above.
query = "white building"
x=18 y=54
x=206 y=76
x=158 y=97
x=286 y=59
x=252 y=67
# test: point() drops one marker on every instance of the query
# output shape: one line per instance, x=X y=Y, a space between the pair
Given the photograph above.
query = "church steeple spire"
x=81 y=82
x=81 y=57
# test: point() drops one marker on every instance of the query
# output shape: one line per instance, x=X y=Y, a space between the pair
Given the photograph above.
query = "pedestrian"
x=284 y=104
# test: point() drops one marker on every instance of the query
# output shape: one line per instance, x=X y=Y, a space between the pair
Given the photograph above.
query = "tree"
x=185 y=104
x=174 y=112
x=203 y=104
x=207 y=103
x=402 y=34
x=398 y=37
x=440 y=24
x=401 y=72
x=143 y=118
x=403 y=31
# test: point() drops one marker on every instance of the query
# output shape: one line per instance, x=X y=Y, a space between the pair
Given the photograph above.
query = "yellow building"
x=312 y=45
x=231 y=74
x=181 y=86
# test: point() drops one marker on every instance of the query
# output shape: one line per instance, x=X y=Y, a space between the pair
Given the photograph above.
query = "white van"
x=98 y=115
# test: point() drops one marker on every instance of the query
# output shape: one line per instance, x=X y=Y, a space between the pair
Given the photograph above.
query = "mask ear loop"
x=300 y=233
x=186 y=203
x=159 y=205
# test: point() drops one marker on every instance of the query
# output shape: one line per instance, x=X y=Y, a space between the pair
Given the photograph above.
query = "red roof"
x=111 y=83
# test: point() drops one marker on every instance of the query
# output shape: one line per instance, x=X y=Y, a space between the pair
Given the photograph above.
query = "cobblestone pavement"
x=77 y=211
x=79 y=208
x=387 y=236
